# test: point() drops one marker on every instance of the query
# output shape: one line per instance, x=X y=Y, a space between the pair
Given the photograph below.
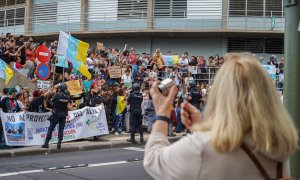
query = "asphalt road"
x=118 y=163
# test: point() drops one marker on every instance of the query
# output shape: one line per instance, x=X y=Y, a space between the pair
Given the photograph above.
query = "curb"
x=52 y=149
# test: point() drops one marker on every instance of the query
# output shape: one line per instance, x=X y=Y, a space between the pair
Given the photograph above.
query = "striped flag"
x=5 y=72
x=75 y=50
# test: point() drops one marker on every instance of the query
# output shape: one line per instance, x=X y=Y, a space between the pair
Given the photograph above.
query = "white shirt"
x=21 y=105
x=126 y=79
x=188 y=80
x=184 y=62
x=89 y=63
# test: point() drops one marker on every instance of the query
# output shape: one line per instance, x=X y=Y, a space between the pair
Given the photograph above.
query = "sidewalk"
x=108 y=141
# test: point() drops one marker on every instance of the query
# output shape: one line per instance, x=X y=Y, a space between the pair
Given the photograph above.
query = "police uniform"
x=60 y=112
x=195 y=97
x=135 y=100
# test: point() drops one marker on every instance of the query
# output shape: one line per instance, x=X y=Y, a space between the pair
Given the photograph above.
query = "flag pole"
x=54 y=72
x=64 y=70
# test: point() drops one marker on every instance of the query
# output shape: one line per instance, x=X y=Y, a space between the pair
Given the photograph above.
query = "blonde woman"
x=243 y=108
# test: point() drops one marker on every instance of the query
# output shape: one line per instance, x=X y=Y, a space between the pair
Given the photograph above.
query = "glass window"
x=170 y=9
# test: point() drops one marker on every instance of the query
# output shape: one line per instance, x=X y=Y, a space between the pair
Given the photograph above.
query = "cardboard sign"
x=115 y=72
x=193 y=69
x=43 y=85
x=100 y=46
x=74 y=87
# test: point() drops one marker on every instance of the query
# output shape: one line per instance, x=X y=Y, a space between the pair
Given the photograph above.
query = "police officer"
x=135 y=101
x=194 y=95
x=61 y=104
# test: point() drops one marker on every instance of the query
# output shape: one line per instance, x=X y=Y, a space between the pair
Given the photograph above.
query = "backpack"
x=262 y=169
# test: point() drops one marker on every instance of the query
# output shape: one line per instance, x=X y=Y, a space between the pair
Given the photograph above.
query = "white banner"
x=28 y=128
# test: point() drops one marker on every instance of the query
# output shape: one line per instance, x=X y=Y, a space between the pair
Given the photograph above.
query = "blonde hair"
x=243 y=100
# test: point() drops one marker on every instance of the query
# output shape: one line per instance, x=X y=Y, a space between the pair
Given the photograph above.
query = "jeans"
x=150 y=122
x=118 y=122
x=60 y=119
x=179 y=125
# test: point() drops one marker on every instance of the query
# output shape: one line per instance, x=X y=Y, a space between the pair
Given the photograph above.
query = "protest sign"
x=193 y=69
x=43 y=84
x=115 y=72
x=271 y=69
x=74 y=87
x=62 y=61
x=29 y=128
x=100 y=46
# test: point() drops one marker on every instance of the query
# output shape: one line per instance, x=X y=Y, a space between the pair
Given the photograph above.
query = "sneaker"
x=116 y=133
x=123 y=132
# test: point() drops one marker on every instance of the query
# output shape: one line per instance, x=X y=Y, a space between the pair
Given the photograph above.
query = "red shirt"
x=30 y=55
x=19 y=65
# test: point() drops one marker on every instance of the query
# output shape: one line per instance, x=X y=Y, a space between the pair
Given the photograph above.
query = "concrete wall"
x=18 y=79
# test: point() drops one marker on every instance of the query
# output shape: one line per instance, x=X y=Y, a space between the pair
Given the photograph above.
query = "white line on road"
x=66 y=167
x=21 y=172
x=134 y=149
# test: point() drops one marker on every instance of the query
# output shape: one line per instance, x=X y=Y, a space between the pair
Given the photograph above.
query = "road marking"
x=134 y=149
x=107 y=164
x=64 y=167
x=21 y=172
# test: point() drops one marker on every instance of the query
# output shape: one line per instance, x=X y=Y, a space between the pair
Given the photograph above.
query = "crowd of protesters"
x=142 y=69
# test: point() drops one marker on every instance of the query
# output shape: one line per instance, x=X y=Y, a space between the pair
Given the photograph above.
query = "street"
x=117 y=163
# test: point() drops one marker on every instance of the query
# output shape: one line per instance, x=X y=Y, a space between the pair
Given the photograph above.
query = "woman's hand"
x=162 y=104
x=190 y=115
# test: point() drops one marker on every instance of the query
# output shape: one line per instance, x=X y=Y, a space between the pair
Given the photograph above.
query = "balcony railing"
x=75 y=23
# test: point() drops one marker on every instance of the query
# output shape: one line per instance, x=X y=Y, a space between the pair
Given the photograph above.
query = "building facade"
x=201 y=27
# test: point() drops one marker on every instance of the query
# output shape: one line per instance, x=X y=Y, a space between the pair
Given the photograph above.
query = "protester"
x=227 y=128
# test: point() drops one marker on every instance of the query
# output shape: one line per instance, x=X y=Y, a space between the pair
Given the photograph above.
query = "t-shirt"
x=126 y=79
x=89 y=63
x=18 y=65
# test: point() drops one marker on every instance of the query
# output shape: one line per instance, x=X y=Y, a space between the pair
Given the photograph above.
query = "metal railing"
x=104 y=22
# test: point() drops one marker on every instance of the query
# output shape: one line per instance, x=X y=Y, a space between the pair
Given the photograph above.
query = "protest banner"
x=74 y=87
x=29 y=128
x=43 y=84
x=100 y=46
x=115 y=72
x=271 y=69
x=193 y=69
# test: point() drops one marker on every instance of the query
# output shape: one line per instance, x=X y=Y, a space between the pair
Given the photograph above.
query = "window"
x=20 y=14
x=255 y=8
x=170 y=9
x=237 y=7
x=132 y=9
x=10 y=15
x=256 y=45
x=274 y=46
x=274 y=8
x=2 y=15
x=11 y=2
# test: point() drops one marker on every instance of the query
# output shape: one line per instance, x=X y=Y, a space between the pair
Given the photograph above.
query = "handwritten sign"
x=115 y=72
x=43 y=84
x=193 y=69
x=271 y=71
x=74 y=87
x=100 y=46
